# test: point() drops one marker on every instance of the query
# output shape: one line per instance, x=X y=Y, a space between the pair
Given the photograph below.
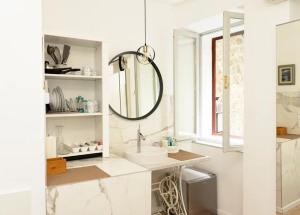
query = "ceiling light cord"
x=145 y=20
x=146 y=52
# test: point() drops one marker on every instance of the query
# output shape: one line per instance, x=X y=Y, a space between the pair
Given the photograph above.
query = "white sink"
x=149 y=155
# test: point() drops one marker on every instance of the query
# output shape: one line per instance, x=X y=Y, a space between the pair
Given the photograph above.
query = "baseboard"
x=288 y=206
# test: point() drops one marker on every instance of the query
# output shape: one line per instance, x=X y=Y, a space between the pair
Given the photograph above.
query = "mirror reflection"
x=288 y=119
x=136 y=88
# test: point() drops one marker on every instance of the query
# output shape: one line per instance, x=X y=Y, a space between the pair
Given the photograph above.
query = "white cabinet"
x=288 y=171
x=80 y=127
x=119 y=195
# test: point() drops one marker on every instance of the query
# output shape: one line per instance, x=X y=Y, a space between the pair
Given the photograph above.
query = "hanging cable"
x=146 y=52
x=145 y=20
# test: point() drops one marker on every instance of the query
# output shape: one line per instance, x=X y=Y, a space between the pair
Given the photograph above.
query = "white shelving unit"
x=78 y=127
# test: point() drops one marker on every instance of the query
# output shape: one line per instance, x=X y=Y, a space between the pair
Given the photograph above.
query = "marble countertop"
x=176 y=159
x=289 y=136
x=94 y=169
x=113 y=165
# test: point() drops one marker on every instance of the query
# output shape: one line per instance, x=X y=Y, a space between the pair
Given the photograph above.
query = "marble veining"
x=288 y=111
x=113 y=165
x=52 y=195
x=102 y=190
x=109 y=196
x=288 y=153
x=288 y=174
x=156 y=126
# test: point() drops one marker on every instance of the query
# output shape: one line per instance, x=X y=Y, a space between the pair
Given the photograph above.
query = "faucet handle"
x=142 y=136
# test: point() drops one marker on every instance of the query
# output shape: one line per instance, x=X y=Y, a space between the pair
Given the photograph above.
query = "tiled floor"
x=295 y=211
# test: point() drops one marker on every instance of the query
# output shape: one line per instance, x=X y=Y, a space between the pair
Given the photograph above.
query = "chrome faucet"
x=140 y=137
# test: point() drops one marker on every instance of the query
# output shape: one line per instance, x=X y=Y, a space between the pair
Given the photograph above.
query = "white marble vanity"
x=288 y=171
x=108 y=186
x=126 y=191
x=181 y=158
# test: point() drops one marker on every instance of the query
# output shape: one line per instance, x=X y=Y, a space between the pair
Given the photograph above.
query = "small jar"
x=87 y=71
x=86 y=106
x=80 y=104
x=95 y=104
x=90 y=107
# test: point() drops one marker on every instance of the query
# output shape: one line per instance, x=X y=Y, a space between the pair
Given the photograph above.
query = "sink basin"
x=149 y=155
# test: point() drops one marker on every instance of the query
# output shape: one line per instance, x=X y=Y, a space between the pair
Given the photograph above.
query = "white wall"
x=21 y=123
x=229 y=170
x=16 y=203
x=259 y=180
x=294 y=9
x=121 y=24
x=288 y=51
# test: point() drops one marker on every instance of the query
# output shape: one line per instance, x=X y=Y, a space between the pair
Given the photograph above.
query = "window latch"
x=226 y=82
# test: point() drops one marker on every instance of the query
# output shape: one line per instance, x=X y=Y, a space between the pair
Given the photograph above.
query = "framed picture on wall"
x=286 y=74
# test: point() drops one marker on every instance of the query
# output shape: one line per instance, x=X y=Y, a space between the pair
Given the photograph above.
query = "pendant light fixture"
x=146 y=50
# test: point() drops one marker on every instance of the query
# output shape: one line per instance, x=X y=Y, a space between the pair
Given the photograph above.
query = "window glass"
x=236 y=84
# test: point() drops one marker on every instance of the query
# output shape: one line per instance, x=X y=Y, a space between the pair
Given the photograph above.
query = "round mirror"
x=136 y=89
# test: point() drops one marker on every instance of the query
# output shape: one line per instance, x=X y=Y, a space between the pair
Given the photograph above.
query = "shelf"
x=71 y=41
x=72 y=77
x=85 y=52
x=71 y=114
x=71 y=154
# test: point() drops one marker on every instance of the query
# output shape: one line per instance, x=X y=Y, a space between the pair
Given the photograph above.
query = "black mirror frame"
x=161 y=87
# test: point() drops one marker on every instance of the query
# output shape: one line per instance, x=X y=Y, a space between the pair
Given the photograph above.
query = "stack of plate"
x=57 y=100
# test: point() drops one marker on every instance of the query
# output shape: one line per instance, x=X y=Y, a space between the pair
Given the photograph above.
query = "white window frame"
x=227 y=143
x=176 y=34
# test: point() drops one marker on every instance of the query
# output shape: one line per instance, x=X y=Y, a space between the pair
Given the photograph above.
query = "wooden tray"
x=77 y=175
x=184 y=155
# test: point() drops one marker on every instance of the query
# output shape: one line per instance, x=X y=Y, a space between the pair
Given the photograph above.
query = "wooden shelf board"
x=184 y=155
x=76 y=175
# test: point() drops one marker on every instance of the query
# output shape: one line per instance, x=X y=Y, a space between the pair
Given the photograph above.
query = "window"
x=185 y=75
x=237 y=68
x=208 y=83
